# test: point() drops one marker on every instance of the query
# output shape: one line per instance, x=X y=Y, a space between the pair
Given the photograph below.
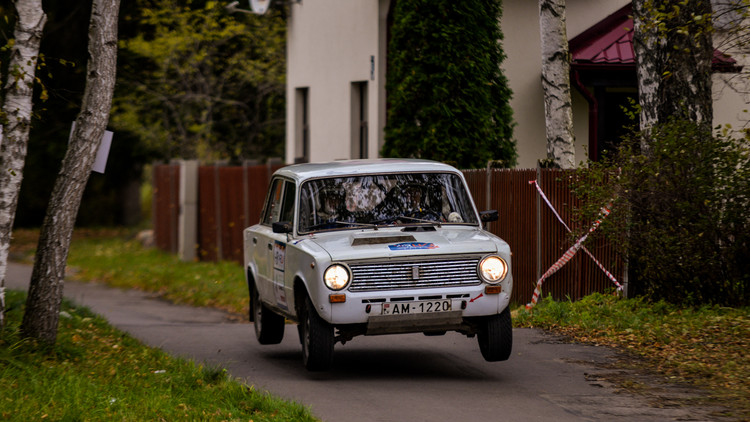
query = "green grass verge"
x=706 y=346
x=119 y=260
x=95 y=372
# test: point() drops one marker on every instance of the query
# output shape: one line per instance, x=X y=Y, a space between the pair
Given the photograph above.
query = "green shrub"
x=447 y=97
x=679 y=212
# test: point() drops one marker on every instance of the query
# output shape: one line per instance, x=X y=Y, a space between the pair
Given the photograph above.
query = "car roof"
x=302 y=172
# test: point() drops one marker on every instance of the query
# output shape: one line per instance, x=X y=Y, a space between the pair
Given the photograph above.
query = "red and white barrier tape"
x=570 y=253
x=599 y=264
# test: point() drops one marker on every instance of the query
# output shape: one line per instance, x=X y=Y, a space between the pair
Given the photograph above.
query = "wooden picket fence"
x=230 y=198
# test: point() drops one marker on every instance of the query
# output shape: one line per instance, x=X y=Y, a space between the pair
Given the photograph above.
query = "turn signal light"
x=337 y=298
x=493 y=290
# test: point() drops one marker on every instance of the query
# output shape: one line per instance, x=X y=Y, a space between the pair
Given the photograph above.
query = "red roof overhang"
x=609 y=45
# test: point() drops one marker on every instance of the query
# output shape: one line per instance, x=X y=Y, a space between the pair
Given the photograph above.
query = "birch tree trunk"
x=558 y=111
x=17 y=122
x=46 y=290
x=673 y=52
x=648 y=49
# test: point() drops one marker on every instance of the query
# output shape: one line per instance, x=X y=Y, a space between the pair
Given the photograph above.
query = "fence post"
x=217 y=204
x=489 y=184
x=538 y=226
x=246 y=191
x=187 y=237
x=174 y=198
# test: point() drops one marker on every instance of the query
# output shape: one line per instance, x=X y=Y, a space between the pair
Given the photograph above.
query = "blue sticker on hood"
x=407 y=246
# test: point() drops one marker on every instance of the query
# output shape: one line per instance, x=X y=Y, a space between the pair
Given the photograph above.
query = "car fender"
x=307 y=279
x=251 y=273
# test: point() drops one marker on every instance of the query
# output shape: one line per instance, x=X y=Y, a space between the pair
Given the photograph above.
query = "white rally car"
x=369 y=247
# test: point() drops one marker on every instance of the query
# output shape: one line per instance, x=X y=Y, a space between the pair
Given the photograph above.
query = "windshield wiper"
x=339 y=223
x=419 y=220
x=389 y=221
x=354 y=223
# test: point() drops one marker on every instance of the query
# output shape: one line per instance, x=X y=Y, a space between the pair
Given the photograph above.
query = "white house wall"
x=731 y=91
x=731 y=94
x=523 y=68
x=330 y=44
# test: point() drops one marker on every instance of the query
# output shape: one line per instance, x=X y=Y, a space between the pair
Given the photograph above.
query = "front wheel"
x=496 y=337
x=269 y=326
x=317 y=339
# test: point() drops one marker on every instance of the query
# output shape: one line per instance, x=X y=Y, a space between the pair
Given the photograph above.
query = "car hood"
x=356 y=245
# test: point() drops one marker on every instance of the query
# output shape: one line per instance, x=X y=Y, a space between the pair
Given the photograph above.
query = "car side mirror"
x=282 y=227
x=488 y=216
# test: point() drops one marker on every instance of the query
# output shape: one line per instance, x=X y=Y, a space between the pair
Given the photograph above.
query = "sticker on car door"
x=279 y=258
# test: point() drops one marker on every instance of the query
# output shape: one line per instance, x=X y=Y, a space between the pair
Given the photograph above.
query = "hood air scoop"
x=377 y=240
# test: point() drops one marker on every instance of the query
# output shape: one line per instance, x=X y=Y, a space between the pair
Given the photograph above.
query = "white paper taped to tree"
x=102 y=153
x=259 y=6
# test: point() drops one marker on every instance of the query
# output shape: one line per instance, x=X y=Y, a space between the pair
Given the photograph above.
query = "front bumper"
x=367 y=308
x=399 y=324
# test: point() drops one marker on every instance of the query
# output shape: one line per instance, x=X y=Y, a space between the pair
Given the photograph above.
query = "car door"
x=271 y=250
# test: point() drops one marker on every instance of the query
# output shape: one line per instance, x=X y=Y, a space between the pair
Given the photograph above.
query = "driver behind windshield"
x=412 y=201
x=414 y=204
x=332 y=207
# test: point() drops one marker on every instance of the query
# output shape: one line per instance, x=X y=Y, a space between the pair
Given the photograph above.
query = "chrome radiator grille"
x=410 y=275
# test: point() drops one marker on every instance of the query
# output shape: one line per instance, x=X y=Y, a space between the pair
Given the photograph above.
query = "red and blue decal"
x=408 y=246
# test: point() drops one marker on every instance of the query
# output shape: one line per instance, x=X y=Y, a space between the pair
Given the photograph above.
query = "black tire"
x=317 y=339
x=269 y=326
x=495 y=337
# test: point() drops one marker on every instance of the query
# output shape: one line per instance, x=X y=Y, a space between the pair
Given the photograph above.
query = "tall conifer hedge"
x=448 y=99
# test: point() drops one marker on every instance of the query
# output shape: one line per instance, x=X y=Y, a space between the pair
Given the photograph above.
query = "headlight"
x=493 y=269
x=336 y=277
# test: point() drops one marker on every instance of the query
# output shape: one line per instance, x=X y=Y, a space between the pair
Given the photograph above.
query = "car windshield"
x=384 y=199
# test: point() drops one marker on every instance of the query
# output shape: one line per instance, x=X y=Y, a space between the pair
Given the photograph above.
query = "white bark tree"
x=673 y=51
x=41 y=317
x=648 y=48
x=16 y=121
x=558 y=110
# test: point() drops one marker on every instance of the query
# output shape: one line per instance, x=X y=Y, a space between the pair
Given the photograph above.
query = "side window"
x=287 y=206
x=280 y=205
x=273 y=206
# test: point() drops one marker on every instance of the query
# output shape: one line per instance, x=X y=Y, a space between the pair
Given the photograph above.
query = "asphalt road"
x=396 y=378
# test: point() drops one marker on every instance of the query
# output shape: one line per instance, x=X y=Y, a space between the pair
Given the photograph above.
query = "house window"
x=359 y=120
x=302 y=125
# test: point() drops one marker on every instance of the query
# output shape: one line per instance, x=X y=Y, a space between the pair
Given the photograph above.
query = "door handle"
x=255 y=241
x=270 y=246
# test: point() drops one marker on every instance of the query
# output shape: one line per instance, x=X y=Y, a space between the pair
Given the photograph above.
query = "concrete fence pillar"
x=188 y=216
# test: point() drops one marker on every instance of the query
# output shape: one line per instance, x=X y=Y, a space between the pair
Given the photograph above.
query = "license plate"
x=428 y=306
